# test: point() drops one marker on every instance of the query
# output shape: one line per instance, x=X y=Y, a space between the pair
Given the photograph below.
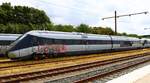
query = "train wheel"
x=43 y=56
x=35 y=57
x=55 y=55
x=46 y=56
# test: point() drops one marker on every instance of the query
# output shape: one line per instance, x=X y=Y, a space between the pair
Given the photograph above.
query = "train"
x=39 y=44
x=5 y=41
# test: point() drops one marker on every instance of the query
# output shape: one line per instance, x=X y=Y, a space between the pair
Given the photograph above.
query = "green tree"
x=68 y=28
x=64 y=28
x=104 y=31
x=83 y=28
x=124 y=34
x=133 y=35
x=20 y=19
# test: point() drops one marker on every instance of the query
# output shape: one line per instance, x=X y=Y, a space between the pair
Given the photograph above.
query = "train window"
x=99 y=41
x=75 y=42
x=109 y=42
x=24 y=43
x=57 y=41
x=103 y=42
x=116 y=42
x=61 y=41
x=1 y=42
x=42 y=41
x=79 y=42
x=65 y=42
x=84 y=42
x=49 y=41
x=88 y=42
x=125 y=43
x=94 y=42
x=5 y=42
x=72 y=42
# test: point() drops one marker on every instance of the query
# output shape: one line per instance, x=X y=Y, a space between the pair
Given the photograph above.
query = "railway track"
x=33 y=66
x=101 y=75
x=10 y=63
x=86 y=75
x=52 y=72
x=4 y=60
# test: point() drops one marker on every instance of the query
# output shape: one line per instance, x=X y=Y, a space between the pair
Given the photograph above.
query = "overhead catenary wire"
x=117 y=16
x=125 y=15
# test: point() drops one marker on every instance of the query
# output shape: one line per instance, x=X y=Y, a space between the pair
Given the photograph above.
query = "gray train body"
x=50 y=43
x=5 y=41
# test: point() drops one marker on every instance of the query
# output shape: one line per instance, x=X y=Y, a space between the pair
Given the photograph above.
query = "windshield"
x=16 y=41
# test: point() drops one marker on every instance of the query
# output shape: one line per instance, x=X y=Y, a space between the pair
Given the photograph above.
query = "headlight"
x=11 y=55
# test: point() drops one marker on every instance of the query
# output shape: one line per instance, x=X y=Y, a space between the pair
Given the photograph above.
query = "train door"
x=111 y=42
x=144 y=43
x=35 y=47
x=36 y=44
x=84 y=42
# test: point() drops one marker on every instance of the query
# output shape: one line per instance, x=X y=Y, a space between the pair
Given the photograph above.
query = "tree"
x=20 y=19
x=124 y=34
x=64 y=28
x=133 y=35
x=69 y=28
x=104 y=31
x=83 y=28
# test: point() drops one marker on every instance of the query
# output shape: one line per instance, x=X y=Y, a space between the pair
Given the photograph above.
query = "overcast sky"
x=90 y=12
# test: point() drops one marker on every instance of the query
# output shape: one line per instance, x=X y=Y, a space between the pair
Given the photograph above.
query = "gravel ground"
x=68 y=78
x=120 y=73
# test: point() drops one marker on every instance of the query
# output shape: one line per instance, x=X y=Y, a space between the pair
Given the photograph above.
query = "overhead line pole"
x=121 y=16
x=115 y=22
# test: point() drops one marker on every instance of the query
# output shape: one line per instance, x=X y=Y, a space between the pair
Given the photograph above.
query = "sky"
x=91 y=12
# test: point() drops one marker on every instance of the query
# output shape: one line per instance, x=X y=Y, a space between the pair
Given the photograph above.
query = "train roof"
x=148 y=39
x=9 y=37
x=77 y=35
x=125 y=38
x=66 y=35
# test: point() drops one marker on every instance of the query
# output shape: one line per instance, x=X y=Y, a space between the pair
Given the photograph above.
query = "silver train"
x=5 y=41
x=40 y=44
